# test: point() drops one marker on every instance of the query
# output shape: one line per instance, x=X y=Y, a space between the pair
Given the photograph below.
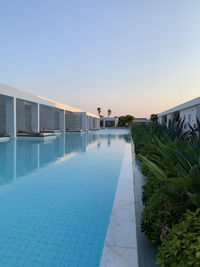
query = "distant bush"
x=124 y=121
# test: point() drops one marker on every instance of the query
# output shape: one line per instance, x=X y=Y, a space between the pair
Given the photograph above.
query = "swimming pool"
x=56 y=198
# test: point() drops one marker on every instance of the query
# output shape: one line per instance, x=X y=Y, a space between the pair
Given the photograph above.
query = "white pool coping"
x=120 y=248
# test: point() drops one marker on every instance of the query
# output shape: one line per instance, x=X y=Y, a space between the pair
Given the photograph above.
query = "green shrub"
x=177 y=164
x=160 y=212
x=155 y=217
x=142 y=135
x=171 y=164
x=182 y=247
x=152 y=184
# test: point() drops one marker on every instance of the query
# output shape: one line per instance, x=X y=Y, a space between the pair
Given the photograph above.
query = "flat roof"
x=141 y=119
x=108 y=118
x=13 y=92
x=188 y=104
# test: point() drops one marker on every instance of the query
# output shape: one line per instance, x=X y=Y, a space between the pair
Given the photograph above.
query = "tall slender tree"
x=99 y=111
x=109 y=112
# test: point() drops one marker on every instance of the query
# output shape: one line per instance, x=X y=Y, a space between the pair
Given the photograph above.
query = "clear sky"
x=131 y=56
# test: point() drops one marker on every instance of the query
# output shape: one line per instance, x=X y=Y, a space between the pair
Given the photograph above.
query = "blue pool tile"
x=56 y=213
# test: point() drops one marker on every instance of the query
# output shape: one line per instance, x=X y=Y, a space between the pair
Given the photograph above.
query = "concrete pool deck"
x=120 y=248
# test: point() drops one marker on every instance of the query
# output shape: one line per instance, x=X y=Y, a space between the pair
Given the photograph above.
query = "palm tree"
x=109 y=112
x=154 y=118
x=99 y=111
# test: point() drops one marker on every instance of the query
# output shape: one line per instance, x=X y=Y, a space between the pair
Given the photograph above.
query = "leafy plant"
x=171 y=163
x=154 y=118
x=182 y=245
x=186 y=175
x=159 y=212
x=176 y=115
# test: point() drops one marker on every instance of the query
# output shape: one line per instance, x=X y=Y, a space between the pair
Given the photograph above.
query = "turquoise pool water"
x=56 y=198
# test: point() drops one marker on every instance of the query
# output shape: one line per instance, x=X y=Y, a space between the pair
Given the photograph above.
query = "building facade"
x=140 y=121
x=188 y=111
x=108 y=122
x=24 y=112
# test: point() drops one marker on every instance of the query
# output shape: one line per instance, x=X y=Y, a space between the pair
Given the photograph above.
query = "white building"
x=187 y=111
x=108 y=122
x=21 y=111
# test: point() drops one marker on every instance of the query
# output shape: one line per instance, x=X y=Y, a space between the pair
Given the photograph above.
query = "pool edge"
x=120 y=247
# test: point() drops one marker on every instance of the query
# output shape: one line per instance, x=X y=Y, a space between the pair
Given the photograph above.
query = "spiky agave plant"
x=179 y=165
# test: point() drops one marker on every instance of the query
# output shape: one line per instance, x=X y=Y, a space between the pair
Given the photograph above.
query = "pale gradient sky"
x=133 y=56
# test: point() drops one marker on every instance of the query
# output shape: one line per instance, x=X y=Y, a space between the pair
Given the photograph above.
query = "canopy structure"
x=21 y=111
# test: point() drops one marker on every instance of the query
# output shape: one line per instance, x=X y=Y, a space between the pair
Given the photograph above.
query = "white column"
x=88 y=123
x=160 y=120
x=93 y=123
x=198 y=112
x=84 y=121
x=36 y=117
x=84 y=142
x=11 y=116
x=96 y=124
x=62 y=120
x=169 y=117
x=14 y=160
x=104 y=123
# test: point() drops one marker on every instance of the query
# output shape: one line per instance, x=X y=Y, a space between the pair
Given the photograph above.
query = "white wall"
x=62 y=120
x=11 y=116
x=47 y=118
x=38 y=113
x=169 y=117
x=88 y=123
x=20 y=115
x=2 y=114
x=36 y=117
x=108 y=119
x=96 y=123
x=84 y=121
x=160 y=120
x=198 y=112
x=24 y=123
x=73 y=121
x=190 y=117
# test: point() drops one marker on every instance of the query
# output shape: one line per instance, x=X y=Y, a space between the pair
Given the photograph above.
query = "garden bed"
x=171 y=194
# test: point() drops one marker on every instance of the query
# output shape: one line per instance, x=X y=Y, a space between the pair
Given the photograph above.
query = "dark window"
x=110 y=124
